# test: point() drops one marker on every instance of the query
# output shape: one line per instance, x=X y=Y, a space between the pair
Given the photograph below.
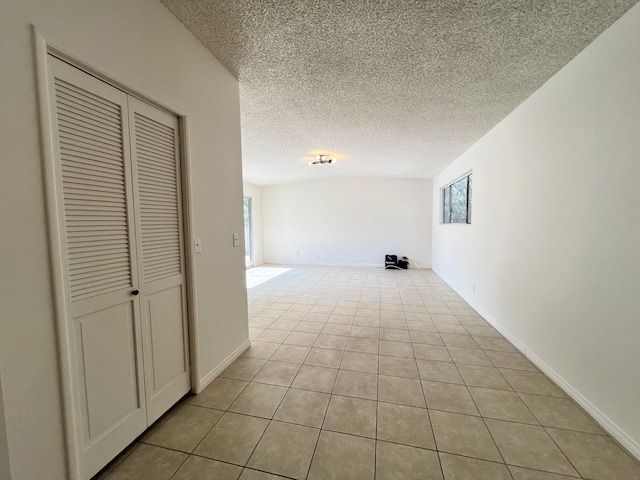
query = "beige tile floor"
x=364 y=373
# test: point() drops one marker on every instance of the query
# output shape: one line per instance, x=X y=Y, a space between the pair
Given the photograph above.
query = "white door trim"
x=44 y=45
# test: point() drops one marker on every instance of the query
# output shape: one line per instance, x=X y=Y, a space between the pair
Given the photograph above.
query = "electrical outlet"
x=236 y=240
x=197 y=245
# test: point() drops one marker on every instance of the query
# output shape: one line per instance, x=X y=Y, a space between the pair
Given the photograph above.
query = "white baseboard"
x=603 y=420
x=211 y=376
x=343 y=264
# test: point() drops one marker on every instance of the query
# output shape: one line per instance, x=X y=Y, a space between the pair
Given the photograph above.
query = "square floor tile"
x=341 y=319
x=322 y=357
x=398 y=349
x=262 y=350
x=438 y=371
x=480 y=376
x=365 y=331
x=149 y=461
x=254 y=332
x=501 y=405
x=450 y=328
x=432 y=352
x=398 y=366
x=499 y=344
x=398 y=335
x=364 y=345
x=285 y=324
x=356 y=384
x=366 y=318
x=285 y=449
x=337 y=342
x=259 y=399
x=515 y=361
x=198 y=468
x=336 y=329
x=233 y=439
x=342 y=309
x=404 y=391
x=529 y=446
x=260 y=322
x=482 y=331
x=249 y=474
x=360 y=362
x=184 y=428
x=456 y=467
x=243 y=368
x=275 y=336
x=319 y=379
x=530 y=382
x=309 y=327
x=449 y=397
x=429 y=338
x=520 y=473
x=425 y=325
x=463 y=435
x=406 y=425
x=339 y=457
x=219 y=394
x=303 y=407
x=471 y=356
x=595 y=456
x=458 y=340
x=355 y=416
x=401 y=462
x=472 y=320
x=277 y=373
x=303 y=339
x=290 y=353
x=559 y=413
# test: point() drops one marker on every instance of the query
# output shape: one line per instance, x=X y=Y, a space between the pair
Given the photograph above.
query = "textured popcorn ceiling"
x=391 y=88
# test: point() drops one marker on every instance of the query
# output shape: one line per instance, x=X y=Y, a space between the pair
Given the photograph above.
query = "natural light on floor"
x=258 y=275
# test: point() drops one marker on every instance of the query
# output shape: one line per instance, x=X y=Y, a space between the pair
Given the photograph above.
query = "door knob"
x=135 y=292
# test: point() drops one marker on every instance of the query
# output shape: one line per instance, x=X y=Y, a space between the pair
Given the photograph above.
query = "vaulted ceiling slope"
x=390 y=88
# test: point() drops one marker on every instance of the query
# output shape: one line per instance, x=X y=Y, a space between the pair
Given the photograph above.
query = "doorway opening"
x=248 y=233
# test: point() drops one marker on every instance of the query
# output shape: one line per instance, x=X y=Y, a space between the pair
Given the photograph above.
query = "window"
x=248 y=233
x=456 y=201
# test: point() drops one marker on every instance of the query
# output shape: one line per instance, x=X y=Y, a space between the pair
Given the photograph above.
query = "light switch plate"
x=236 y=240
x=197 y=245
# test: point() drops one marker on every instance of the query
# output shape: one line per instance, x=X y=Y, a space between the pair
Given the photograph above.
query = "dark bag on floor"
x=403 y=263
x=391 y=261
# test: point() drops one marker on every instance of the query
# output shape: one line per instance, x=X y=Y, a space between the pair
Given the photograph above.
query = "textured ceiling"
x=390 y=88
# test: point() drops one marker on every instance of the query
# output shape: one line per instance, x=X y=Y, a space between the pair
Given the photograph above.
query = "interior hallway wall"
x=255 y=192
x=553 y=253
x=348 y=221
x=142 y=45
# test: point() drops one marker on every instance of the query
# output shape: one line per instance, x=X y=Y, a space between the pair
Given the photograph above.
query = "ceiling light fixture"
x=322 y=160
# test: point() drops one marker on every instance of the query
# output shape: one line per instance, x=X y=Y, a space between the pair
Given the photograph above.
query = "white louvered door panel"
x=100 y=264
x=158 y=206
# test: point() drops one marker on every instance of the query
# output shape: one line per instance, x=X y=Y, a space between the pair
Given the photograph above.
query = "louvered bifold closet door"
x=158 y=206
x=95 y=205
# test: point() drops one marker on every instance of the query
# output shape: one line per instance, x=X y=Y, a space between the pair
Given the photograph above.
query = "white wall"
x=348 y=221
x=553 y=251
x=140 y=44
x=255 y=192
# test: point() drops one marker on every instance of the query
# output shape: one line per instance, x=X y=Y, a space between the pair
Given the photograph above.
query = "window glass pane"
x=459 y=201
x=470 y=194
x=446 y=201
x=456 y=201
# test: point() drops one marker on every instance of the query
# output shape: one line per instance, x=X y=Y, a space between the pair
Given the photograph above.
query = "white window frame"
x=469 y=216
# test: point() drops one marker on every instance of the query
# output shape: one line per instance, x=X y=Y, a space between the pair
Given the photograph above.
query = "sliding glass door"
x=248 y=233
